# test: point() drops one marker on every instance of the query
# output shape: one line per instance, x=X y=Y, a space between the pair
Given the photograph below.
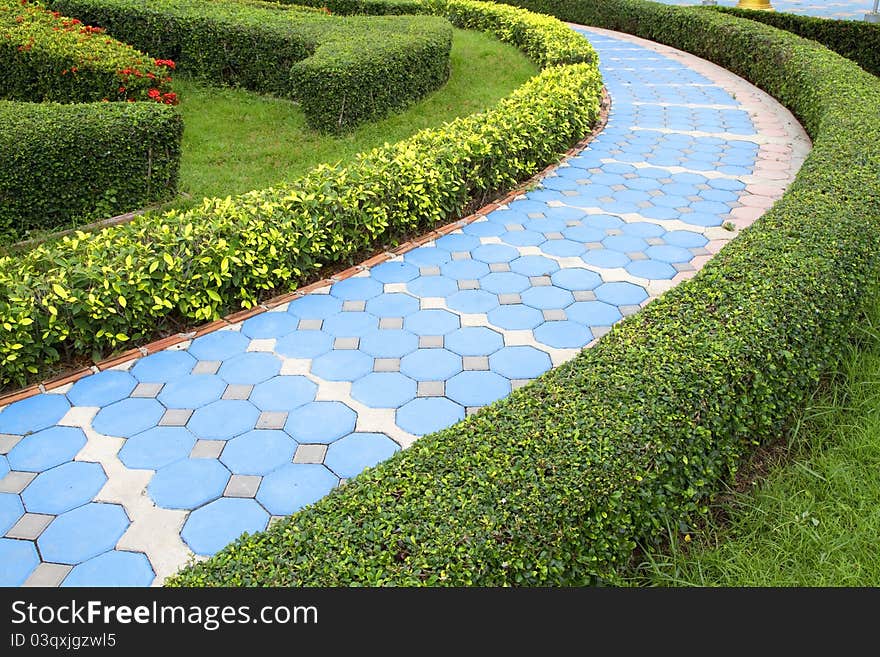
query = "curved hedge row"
x=342 y=70
x=559 y=482
x=855 y=40
x=99 y=290
x=92 y=157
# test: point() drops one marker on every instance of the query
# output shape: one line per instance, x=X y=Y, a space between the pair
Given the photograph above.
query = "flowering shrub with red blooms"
x=50 y=57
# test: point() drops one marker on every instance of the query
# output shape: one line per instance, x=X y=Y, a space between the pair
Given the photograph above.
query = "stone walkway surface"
x=842 y=9
x=123 y=476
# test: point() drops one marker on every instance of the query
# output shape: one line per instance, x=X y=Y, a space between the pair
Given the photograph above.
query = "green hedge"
x=60 y=163
x=97 y=291
x=342 y=70
x=855 y=40
x=559 y=482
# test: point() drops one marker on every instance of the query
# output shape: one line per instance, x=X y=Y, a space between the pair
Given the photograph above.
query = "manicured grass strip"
x=559 y=482
x=815 y=520
x=236 y=141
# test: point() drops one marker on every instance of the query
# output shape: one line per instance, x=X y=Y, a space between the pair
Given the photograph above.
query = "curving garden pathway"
x=840 y=9
x=120 y=477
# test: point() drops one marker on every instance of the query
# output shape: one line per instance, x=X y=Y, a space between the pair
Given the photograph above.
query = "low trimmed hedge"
x=60 y=162
x=95 y=292
x=855 y=40
x=559 y=482
x=342 y=70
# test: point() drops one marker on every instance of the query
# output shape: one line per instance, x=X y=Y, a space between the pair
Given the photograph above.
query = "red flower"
x=165 y=62
x=154 y=94
x=121 y=90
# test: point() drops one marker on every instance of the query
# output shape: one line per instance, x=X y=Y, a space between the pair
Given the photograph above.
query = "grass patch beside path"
x=235 y=141
x=815 y=519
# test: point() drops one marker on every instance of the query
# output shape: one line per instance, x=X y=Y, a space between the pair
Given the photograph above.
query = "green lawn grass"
x=235 y=141
x=815 y=519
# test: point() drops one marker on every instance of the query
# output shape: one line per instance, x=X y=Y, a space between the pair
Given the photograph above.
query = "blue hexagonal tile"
x=504 y=282
x=393 y=304
x=83 y=533
x=32 y=414
x=250 y=368
x=163 y=366
x=46 y=449
x=128 y=417
x=10 y=511
x=219 y=345
x=258 y=452
x=294 y=486
x=394 y=272
x=428 y=414
x=520 y=362
x=389 y=343
x=431 y=322
x=304 y=344
x=351 y=324
x=358 y=288
x=192 y=391
x=547 y=297
x=430 y=364
x=102 y=388
x=321 y=422
x=472 y=301
x=563 y=335
x=349 y=456
x=188 y=484
x=64 y=487
x=432 y=286
x=342 y=365
x=223 y=419
x=621 y=293
x=465 y=269
x=474 y=341
x=593 y=313
x=384 y=390
x=214 y=526
x=269 y=325
x=477 y=388
x=283 y=393
x=315 y=306
x=114 y=568
x=19 y=558
x=157 y=447
x=516 y=316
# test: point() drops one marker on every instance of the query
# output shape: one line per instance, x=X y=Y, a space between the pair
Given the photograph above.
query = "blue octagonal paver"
x=349 y=456
x=520 y=362
x=188 y=484
x=356 y=289
x=593 y=313
x=157 y=447
x=472 y=301
x=465 y=269
x=351 y=324
x=258 y=452
x=219 y=345
x=389 y=343
x=533 y=265
x=250 y=368
x=563 y=335
x=474 y=341
x=19 y=558
x=304 y=344
x=163 y=366
x=427 y=256
x=83 y=533
x=432 y=286
x=547 y=297
x=114 y=568
x=342 y=365
x=384 y=390
x=651 y=269
x=576 y=279
x=516 y=317
x=32 y=414
x=315 y=306
x=46 y=449
x=430 y=364
x=214 y=526
x=128 y=417
x=102 y=388
x=64 y=487
x=504 y=282
x=293 y=486
x=395 y=304
x=621 y=294
x=283 y=393
x=223 y=419
x=394 y=272
x=428 y=414
x=269 y=325
x=490 y=253
x=10 y=511
x=431 y=322
x=321 y=422
x=192 y=391
x=477 y=388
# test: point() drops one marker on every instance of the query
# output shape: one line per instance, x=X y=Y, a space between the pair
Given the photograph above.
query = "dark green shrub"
x=559 y=482
x=342 y=70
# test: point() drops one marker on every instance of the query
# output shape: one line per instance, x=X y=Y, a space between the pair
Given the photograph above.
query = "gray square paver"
x=683 y=266
x=207 y=449
x=7 y=442
x=354 y=305
x=469 y=284
x=310 y=324
x=599 y=331
x=654 y=241
x=176 y=417
x=242 y=486
x=584 y=295
x=432 y=270
x=508 y=299
x=151 y=390
x=310 y=454
x=206 y=367
x=386 y=365
x=554 y=236
x=391 y=323
x=636 y=255
x=271 y=420
x=518 y=383
x=346 y=343
x=499 y=266
x=48 y=575
x=431 y=389
x=629 y=309
x=554 y=315
x=540 y=281
x=430 y=341
x=15 y=482
x=237 y=391
x=461 y=255
x=30 y=526
x=475 y=362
